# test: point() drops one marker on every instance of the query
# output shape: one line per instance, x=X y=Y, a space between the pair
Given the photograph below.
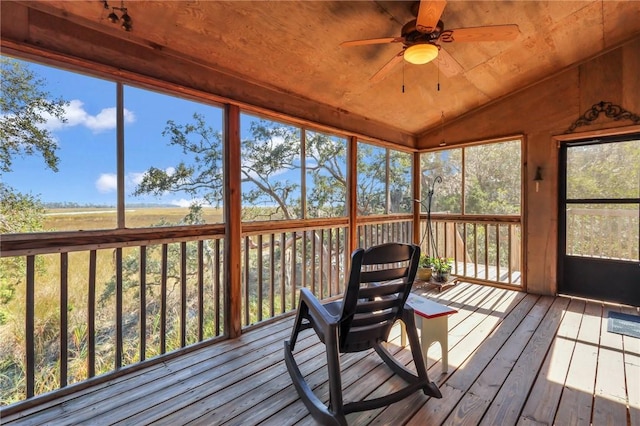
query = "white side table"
x=433 y=320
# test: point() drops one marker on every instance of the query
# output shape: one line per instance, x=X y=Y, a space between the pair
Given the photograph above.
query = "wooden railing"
x=88 y=303
x=611 y=233
x=96 y=301
x=483 y=249
x=277 y=264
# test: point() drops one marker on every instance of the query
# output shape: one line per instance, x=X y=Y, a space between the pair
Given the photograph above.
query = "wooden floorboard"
x=514 y=358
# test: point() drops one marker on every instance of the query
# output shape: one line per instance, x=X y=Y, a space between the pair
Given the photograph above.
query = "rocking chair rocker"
x=378 y=287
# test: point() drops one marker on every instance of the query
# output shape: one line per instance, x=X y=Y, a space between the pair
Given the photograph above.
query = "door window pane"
x=608 y=231
x=605 y=170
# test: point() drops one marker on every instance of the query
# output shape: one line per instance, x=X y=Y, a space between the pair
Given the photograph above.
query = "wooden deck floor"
x=514 y=359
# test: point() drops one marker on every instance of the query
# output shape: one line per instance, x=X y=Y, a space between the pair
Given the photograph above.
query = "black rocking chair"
x=379 y=284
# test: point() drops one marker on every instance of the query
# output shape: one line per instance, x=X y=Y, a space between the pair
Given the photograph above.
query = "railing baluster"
x=292 y=265
x=259 y=266
x=163 y=300
x=272 y=275
x=498 y=252
x=183 y=294
x=303 y=262
x=321 y=293
x=200 y=262
x=119 y=342
x=91 y=315
x=337 y=267
x=29 y=325
x=329 y=259
x=283 y=271
x=245 y=281
x=509 y=253
x=486 y=251
x=475 y=250
x=143 y=303
x=64 y=323
x=313 y=262
x=216 y=287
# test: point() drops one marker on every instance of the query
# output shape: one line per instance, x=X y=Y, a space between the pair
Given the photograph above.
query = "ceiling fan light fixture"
x=422 y=53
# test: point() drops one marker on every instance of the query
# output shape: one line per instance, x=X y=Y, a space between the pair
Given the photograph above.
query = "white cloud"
x=76 y=115
x=135 y=178
x=107 y=182
x=183 y=202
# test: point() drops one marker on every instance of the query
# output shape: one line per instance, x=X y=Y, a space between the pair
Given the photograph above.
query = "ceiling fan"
x=421 y=38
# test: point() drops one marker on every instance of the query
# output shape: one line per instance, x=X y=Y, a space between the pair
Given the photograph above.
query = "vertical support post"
x=352 y=192
x=416 y=196
x=233 y=221
x=120 y=154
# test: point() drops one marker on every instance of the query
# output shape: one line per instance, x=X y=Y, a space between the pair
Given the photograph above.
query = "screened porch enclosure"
x=207 y=173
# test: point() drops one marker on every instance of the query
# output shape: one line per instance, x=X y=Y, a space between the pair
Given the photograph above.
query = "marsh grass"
x=47 y=306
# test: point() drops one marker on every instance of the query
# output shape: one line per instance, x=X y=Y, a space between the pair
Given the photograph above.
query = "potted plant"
x=442 y=269
x=424 y=267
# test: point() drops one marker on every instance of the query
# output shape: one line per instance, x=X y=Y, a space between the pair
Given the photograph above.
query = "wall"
x=542 y=112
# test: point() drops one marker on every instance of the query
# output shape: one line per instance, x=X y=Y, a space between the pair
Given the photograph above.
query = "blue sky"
x=87 y=142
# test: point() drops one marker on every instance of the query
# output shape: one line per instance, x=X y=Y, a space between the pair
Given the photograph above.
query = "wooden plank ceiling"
x=294 y=46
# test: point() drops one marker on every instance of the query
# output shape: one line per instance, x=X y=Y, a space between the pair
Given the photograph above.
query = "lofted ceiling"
x=294 y=47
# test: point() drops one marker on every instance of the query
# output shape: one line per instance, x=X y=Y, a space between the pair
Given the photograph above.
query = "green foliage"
x=202 y=177
x=326 y=164
x=448 y=193
x=442 y=264
x=371 y=195
x=24 y=109
x=426 y=261
x=272 y=149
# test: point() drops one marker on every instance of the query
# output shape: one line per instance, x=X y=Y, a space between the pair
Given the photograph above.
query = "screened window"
x=173 y=160
x=493 y=178
x=384 y=180
x=326 y=175
x=488 y=181
x=271 y=177
x=80 y=194
x=447 y=194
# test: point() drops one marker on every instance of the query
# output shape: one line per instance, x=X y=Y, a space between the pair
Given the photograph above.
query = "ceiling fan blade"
x=447 y=65
x=429 y=13
x=488 y=33
x=372 y=41
x=384 y=71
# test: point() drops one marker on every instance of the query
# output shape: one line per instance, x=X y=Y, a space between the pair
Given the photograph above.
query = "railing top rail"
x=468 y=218
x=68 y=241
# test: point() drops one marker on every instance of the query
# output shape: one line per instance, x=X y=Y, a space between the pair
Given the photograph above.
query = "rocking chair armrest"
x=316 y=309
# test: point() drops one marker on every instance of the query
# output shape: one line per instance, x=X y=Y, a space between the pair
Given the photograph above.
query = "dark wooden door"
x=599 y=223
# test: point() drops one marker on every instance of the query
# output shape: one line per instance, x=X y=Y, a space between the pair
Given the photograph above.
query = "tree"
x=24 y=108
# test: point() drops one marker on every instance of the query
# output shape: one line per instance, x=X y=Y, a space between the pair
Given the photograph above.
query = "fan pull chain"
x=438 y=76
x=403 y=77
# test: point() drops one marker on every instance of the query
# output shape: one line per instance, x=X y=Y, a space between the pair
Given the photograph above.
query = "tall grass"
x=48 y=305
